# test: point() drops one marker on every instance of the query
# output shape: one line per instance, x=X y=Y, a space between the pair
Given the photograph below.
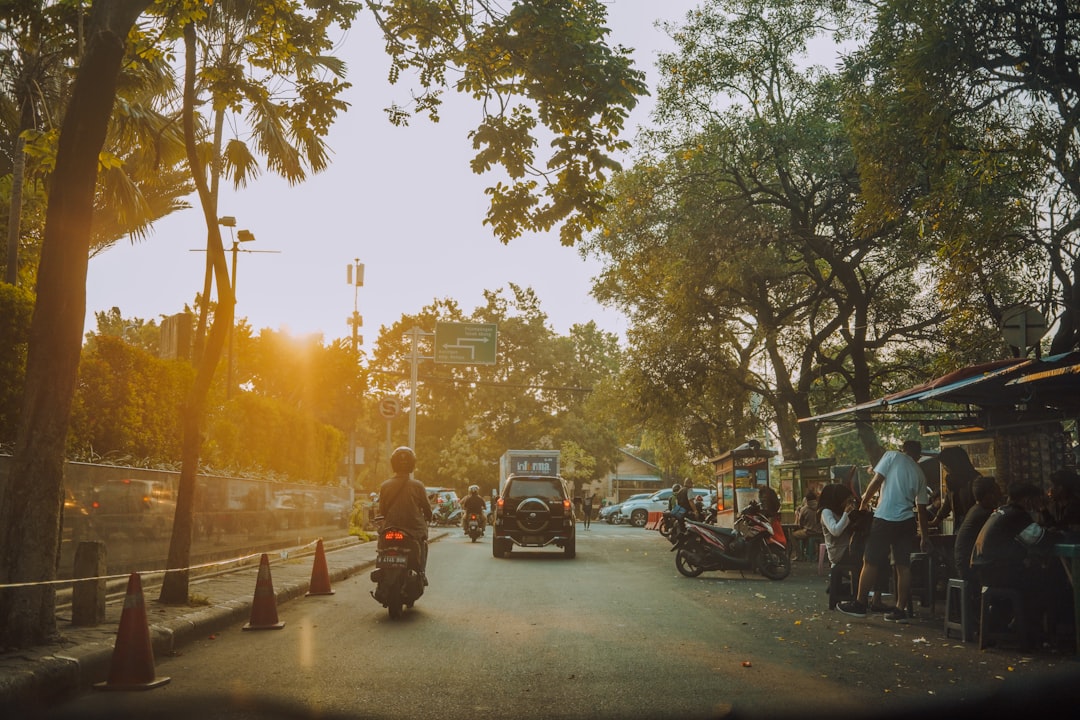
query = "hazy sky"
x=402 y=200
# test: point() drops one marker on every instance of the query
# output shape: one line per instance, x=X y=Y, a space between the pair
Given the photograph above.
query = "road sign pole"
x=389 y=450
x=414 y=358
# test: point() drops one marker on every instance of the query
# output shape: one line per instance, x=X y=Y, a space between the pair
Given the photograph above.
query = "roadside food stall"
x=796 y=478
x=1015 y=418
x=1009 y=415
x=739 y=473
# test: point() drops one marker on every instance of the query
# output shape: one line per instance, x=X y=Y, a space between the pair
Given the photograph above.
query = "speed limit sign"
x=389 y=407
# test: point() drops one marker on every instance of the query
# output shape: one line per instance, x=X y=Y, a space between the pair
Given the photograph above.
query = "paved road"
x=616 y=633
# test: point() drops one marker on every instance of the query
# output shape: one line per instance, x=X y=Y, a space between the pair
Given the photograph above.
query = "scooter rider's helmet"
x=403 y=460
x=676 y=488
x=474 y=489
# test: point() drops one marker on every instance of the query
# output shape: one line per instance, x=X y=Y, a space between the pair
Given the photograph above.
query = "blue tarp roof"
x=1004 y=383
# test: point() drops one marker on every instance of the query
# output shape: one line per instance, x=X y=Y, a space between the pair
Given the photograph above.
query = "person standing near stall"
x=957 y=496
x=900 y=511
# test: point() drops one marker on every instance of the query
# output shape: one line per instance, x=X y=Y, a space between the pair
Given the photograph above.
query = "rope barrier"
x=237 y=560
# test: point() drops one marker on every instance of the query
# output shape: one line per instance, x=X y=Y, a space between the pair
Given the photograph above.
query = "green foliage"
x=962 y=123
x=255 y=431
x=543 y=67
x=127 y=403
x=323 y=380
x=537 y=395
x=140 y=178
x=134 y=331
x=16 y=307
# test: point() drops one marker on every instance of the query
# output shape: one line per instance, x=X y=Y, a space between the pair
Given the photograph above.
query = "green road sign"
x=465 y=343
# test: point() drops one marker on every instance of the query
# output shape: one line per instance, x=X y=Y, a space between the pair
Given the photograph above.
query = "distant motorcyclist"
x=473 y=503
x=403 y=501
x=673 y=500
x=686 y=501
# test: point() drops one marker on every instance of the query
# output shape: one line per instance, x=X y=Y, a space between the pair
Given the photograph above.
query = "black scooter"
x=397 y=576
x=472 y=527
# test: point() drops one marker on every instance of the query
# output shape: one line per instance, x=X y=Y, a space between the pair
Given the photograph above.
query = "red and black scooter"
x=755 y=544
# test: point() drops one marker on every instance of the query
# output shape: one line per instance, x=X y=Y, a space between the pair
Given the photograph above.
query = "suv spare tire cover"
x=532 y=514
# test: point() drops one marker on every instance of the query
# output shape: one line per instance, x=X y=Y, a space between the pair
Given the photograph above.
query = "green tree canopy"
x=965 y=119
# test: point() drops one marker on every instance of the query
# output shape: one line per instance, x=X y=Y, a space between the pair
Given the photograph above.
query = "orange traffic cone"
x=264 y=606
x=320 y=576
x=132 y=665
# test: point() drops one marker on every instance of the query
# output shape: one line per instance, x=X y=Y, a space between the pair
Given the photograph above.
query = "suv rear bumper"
x=535 y=539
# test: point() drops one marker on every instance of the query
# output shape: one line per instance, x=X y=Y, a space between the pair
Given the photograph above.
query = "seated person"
x=808 y=520
x=1002 y=558
x=987 y=496
x=1063 y=508
x=769 y=501
x=770 y=506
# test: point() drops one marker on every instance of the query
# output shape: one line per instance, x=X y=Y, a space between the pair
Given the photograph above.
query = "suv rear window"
x=533 y=487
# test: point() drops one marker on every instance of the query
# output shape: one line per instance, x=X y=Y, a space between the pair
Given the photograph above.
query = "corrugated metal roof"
x=990 y=385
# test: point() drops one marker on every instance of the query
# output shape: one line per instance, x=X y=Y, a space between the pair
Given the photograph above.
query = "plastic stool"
x=957 y=592
x=987 y=635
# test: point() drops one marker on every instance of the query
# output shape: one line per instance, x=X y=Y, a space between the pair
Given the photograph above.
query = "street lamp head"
x=227 y=221
x=244 y=236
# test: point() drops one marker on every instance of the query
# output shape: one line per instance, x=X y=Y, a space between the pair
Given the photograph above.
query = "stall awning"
x=1000 y=384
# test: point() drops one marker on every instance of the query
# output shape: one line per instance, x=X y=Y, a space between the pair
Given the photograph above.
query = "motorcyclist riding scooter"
x=403 y=502
x=473 y=504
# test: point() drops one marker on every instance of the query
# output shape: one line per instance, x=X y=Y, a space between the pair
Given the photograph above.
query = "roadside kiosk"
x=739 y=473
x=796 y=478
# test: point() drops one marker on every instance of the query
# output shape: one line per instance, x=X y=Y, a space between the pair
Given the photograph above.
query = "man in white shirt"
x=900 y=510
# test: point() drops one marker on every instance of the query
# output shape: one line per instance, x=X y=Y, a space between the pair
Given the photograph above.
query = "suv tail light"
x=566 y=505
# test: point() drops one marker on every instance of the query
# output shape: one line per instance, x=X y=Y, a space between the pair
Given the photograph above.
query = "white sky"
x=402 y=200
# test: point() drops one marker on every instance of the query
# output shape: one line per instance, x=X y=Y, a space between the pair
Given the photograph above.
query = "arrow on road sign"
x=466 y=343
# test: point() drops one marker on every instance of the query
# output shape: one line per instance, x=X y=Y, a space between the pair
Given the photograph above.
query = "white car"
x=637 y=512
x=610 y=514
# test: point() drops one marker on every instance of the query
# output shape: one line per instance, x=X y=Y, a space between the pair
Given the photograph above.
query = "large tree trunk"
x=174 y=587
x=31 y=502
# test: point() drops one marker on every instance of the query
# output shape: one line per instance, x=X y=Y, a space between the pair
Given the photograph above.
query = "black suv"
x=534 y=511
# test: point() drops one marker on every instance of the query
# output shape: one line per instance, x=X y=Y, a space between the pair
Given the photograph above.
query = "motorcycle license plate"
x=391 y=560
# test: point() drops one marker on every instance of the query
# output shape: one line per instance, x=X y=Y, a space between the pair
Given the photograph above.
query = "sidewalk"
x=39 y=677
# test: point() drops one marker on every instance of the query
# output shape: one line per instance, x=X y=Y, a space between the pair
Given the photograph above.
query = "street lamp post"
x=241 y=236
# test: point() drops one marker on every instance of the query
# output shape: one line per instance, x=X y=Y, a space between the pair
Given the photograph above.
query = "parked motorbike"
x=397 y=577
x=754 y=544
x=672 y=525
x=472 y=527
x=443 y=515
